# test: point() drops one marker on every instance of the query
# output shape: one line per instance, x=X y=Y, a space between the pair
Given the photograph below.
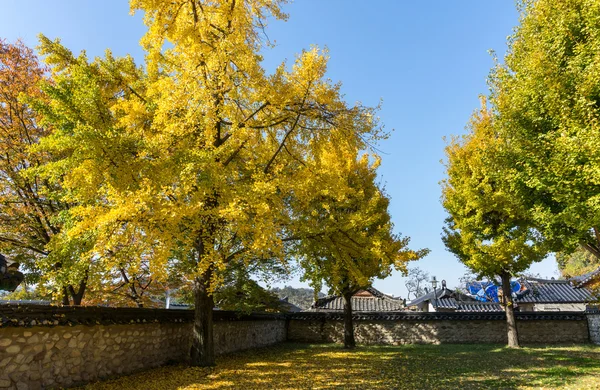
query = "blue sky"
x=427 y=61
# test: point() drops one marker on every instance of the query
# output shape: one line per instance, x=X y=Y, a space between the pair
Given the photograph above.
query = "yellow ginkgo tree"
x=488 y=229
x=348 y=239
x=200 y=152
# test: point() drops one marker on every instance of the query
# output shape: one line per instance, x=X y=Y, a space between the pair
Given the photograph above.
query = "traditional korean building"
x=447 y=300
x=534 y=295
x=552 y=295
x=367 y=300
x=591 y=280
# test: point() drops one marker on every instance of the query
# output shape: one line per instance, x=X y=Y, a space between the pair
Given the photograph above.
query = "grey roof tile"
x=436 y=294
x=581 y=280
x=477 y=306
x=378 y=302
x=467 y=306
x=552 y=291
x=446 y=303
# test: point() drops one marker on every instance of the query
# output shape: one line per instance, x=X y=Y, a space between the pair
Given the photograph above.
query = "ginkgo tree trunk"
x=200 y=149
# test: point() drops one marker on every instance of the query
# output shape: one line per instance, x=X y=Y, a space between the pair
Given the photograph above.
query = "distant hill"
x=301 y=297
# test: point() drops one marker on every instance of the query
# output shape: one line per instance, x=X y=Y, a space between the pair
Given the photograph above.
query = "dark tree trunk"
x=136 y=299
x=349 y=341
x=203 y=348
x=133 y=294
x=511 y=323
x=78 y=295
x=65 y=297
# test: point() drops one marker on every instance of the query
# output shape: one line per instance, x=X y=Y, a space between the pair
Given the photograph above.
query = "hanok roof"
x=552 y=291
x=433 y=296
x=449 y=301
x=445 y=303
x=367 y=300
x=585 y=279
x=533 y=291
x=288 y=307
x=179 y=306
x=477 y=306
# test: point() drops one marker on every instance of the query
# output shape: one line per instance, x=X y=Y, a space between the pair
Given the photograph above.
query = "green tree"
x=25 y=292
x=487 y=229
x=546 y=99
x=32 y=210
x=244 y=295
x=577 y=263
x=201 y=153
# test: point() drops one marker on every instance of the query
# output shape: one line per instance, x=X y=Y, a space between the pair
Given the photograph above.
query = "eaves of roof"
x=432 y=295
x=582 y=280
x=358 y=304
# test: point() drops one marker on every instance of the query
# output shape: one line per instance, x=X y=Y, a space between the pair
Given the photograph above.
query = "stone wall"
x=594 y=326
x=233 y=336
x=61 y=356
x=65 y=352
x=436 y=328
x=46 y=347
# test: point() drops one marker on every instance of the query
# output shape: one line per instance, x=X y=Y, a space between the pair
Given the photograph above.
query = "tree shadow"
x=449 y=366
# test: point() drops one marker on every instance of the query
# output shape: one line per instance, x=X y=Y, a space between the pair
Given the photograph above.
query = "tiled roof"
x=378 y=301
x=533 y=291
x=289 y=307
x=445 y=303
x=467 y=306
x=477 y=306
x=179 y=306
x=580 y=281
x=552 y=291
x=432 y=295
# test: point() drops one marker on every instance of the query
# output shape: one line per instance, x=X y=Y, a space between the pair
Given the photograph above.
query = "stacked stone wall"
x=53 y=347
x=40 y=357
x=63 y=352
x=432 y=328
x=231 y=336
x=594 y=326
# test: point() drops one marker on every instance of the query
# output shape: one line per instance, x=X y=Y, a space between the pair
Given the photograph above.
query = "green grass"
x=301 y=366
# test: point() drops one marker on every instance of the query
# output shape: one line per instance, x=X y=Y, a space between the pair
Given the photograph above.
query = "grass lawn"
x=301 y=366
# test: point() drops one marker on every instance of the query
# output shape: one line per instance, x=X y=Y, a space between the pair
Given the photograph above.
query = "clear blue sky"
x=427 y=60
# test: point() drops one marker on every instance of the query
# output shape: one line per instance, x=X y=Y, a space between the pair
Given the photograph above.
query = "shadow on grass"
x=302 y=366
